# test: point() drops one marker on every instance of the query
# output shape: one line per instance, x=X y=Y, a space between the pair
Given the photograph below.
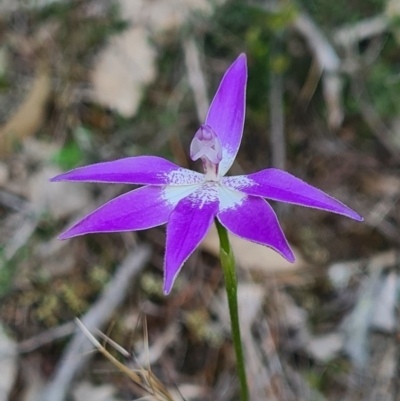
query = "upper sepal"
x=227 y=111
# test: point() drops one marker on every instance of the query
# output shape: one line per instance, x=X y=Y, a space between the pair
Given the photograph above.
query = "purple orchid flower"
x=189 y=201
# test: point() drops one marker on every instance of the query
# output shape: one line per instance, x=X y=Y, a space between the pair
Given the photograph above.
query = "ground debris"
x=84 y=82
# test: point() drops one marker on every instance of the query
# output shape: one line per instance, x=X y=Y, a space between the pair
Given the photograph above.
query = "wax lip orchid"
x=189 y=201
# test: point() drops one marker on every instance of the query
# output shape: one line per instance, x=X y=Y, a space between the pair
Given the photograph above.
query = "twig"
x=396 y=382
x=326 y=55
x=372 y=118
x=102 y=310
x=352 y=34
x=377 y=217
x=32 y=215
x=356 y=325
x=277 y=134
x=20 y=238
x=310 y=85
x=329 y=64
x=12 y=201
x=196 y=77
x=153 y=353
x=46 y=337
x=327 y=60
x=144 y=379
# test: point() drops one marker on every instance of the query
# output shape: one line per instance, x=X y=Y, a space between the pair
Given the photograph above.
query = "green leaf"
x=69 y=156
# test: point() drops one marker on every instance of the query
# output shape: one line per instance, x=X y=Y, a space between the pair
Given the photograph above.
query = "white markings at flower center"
x=173 y=195
x=237 y=182
x=207 y=192
x=229 y=199
x=183 y=176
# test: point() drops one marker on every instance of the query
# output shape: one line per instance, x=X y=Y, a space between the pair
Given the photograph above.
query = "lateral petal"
x=252 y=218
x=187 y=226
x=146 y=170
x=139 y=209
x=281 y=186
x=227 y=111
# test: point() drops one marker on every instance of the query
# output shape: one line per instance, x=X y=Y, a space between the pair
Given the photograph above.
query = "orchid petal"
x=187 y=227
x=139 y=209
x=281 y=186
x=227 y=111
x=253 y=219
x=146 y=170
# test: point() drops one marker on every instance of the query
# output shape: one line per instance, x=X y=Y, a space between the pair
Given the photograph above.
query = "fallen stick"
x=329 y=64
x=77 y=353
x=350 y=35
x=46 y=337
x=196 y=77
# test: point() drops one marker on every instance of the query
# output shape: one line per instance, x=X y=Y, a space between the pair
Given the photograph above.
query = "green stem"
x=228 y=265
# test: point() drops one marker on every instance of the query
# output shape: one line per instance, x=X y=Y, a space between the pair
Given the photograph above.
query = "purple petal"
x=139 y=209
x=187 y=227
x=227 y=111
x=146 y=170
x=254 y=219
x=281 y=186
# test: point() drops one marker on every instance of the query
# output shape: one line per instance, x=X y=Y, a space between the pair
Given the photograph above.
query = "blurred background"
x=90 y=81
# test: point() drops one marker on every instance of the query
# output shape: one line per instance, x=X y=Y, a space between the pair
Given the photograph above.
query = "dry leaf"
x=250 y=300
x=29 y=116
x=187 y=391
x=381 y=184
x=122 y=70
x=87 y=391
x=32 y=379
x=162 y=15
x=253 y=256
x=127 y=64
x=61 y=199
x=8 y=364
x=325 y=347
x=385 y=308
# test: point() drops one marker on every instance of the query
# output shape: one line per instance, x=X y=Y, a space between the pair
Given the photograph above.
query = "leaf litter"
x=324 y=328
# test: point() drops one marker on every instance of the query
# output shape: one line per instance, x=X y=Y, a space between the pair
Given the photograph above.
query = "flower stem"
x=228 y=265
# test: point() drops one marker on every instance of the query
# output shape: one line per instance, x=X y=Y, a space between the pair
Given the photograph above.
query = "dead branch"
x=12 y=201
x=196 y=77
x=22 y=235
x=352 y=34
x=77 y=353
x=329 y=65
x=46 y=337
x=385 y=136
x=277 y=134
